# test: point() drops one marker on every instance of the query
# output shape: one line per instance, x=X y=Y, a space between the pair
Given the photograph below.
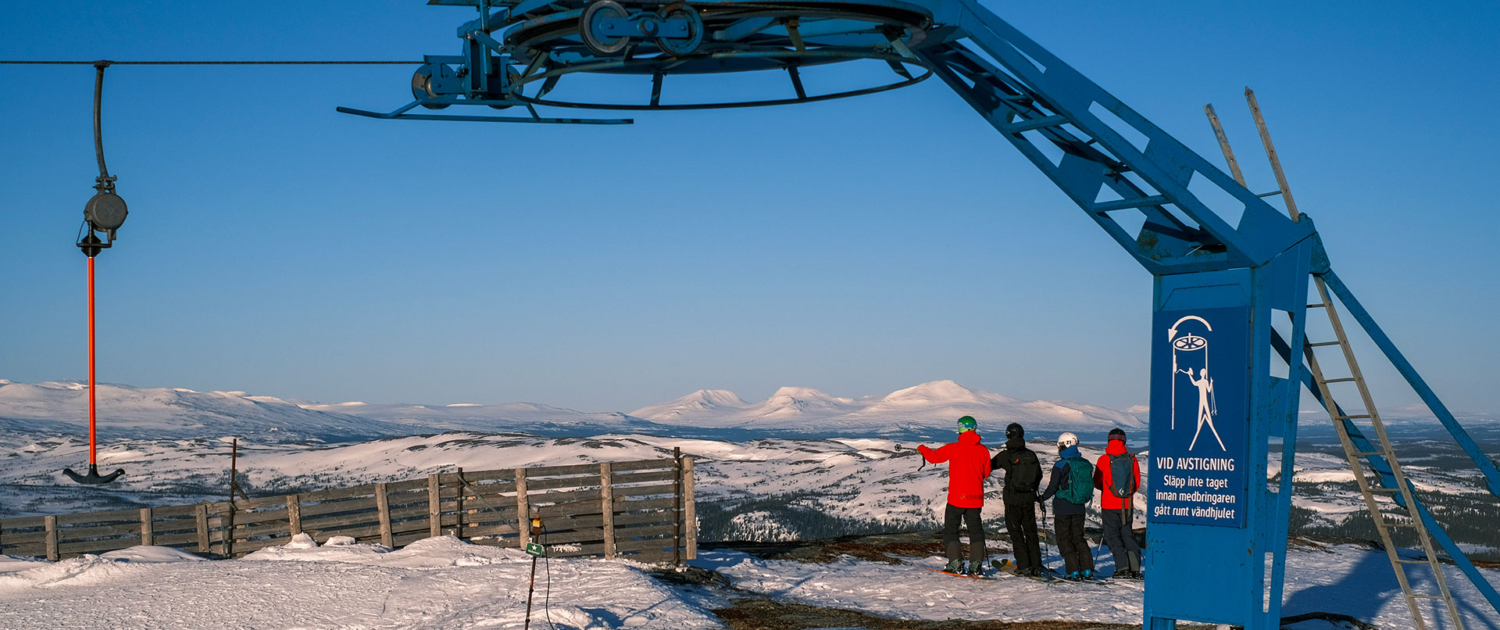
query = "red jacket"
x=1104 y=477
x=968 y=466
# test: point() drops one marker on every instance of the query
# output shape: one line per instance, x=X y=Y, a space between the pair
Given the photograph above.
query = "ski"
x=971 y=577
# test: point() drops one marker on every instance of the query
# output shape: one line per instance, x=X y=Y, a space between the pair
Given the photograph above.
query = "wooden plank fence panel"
x=334 y=507
x=644 y=477
x=553 y=471
x=612 y=508
x=642 y=491
x=561 y=483
x=27 y=549
x=27 y=538
x=174 y=511
x=22 y=522
x=127 y=514
x=338 y=493
x=503 y=474
x=625 y=504
x=642 y=464
x=173 y=540
x=94 y=546
x=403 y=486
x=104 y=531
x=325 y=522
x=262 y=516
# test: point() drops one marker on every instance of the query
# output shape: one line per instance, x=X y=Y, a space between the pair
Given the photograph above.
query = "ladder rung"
x=1269 y=194
x=1425 y=596
x=1369 y=453
x=1384 y=489
x=1395 y=524
x=1405 y=561
x=1323 y=343
x=1362 y=415
x=1338 y=380
x=1125 y=204
x=1318 y=305
x=1036 y=123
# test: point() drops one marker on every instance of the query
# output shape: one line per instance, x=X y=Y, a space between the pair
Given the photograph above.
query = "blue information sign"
x=1200 y=362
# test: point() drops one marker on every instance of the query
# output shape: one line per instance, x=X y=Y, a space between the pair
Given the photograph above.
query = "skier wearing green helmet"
x=968 y=467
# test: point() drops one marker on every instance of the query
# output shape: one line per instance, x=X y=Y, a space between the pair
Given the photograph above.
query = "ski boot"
x=954 y=566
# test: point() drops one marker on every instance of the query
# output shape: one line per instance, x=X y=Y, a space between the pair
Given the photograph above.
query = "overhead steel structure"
x=1224 y=260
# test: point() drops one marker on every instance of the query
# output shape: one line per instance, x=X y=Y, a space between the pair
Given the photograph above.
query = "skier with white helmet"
x=1071 y=489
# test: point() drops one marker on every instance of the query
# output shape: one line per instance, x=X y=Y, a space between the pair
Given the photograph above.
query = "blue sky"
x=855 y=246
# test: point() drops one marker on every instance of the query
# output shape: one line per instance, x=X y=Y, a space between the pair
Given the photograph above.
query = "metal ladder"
x=1378 y=457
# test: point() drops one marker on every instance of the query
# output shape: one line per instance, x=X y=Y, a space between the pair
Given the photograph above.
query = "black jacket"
x=1023 y=473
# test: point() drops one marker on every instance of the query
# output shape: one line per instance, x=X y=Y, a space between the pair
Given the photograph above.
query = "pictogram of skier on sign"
x=1208 y=406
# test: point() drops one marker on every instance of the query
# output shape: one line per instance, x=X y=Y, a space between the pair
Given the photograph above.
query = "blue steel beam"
x=1020 y=87
x=1357 y=310
x=1387 y=479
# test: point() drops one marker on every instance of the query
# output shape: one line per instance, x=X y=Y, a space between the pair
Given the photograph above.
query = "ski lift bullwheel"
x=421 y=83
x=591 y=27
x=681 y=47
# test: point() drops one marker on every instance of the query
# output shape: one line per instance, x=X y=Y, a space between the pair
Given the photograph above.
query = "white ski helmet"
x=1065 y=440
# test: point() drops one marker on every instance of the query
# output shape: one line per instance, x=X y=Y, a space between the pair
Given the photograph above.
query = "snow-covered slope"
x=508 y=417
x=147 y=413
x=925 y=409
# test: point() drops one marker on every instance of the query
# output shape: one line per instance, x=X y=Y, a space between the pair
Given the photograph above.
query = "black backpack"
x=1025 y=474
x=1122 y=481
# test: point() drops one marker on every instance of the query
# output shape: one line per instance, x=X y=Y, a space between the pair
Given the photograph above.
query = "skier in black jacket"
x=1023 y=475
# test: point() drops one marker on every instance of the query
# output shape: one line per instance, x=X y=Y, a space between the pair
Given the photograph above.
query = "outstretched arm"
x=936 y=456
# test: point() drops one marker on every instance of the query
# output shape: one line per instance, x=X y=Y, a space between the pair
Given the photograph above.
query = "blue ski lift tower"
x=1217 y=530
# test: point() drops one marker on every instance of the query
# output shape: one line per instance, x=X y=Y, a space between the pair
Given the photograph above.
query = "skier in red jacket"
x=968 y=467
x=1118 y=475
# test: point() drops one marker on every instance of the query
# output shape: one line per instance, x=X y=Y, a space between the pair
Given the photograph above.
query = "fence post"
x=458 y=508
x=201 y=511
x=523 y=511
x=677 y=507
x=50 y=522
x=690 y=508
x=293 y=514
x=146 y=533
x=434 y=507
x=607 y=503
x=226 y=531
x=383 y=504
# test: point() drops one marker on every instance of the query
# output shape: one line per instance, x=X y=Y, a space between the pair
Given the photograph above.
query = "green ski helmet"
x=967 y=423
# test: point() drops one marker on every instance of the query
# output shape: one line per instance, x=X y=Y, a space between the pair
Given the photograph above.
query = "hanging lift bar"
x=105 y=212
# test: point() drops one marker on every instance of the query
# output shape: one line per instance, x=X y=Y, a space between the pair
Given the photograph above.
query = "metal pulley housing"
x=105 y=212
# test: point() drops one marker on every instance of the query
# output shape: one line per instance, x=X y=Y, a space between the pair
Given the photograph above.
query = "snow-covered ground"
x=433 y=583
x=446 y=583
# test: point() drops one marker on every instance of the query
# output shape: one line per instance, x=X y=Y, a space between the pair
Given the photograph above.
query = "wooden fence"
x=642 y=510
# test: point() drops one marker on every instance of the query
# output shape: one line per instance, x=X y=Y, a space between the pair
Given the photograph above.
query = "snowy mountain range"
x=927 y=410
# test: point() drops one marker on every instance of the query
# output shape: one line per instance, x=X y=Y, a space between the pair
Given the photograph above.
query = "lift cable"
x=14 y=62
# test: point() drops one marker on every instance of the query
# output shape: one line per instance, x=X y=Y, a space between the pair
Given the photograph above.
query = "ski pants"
x=969 y=516
x=1120 y=537
x=1020 y=522
x=1075 y=550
